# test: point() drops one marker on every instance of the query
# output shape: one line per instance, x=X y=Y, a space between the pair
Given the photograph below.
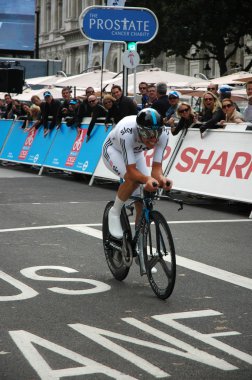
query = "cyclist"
x=123 y=154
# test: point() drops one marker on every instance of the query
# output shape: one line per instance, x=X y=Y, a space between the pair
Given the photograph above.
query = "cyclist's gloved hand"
x=151 y=184
x=165 y=183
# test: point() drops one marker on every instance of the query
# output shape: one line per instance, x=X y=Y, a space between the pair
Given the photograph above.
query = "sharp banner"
x=218 y=165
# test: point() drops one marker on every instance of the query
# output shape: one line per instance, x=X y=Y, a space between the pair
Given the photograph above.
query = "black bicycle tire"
x=119 y=272
x=170 y=272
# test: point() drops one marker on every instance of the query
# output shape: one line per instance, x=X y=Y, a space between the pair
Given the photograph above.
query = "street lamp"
x=207 y=68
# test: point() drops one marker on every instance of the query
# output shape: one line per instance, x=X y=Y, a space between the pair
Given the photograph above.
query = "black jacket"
x=98 y=112
x=161 y=105
x=49 y=109
x=121 y=108
x=182 y=124
x=210 y=119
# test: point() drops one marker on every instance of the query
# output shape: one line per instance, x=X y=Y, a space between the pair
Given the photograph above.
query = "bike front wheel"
x=159 y=255
x=113 y=255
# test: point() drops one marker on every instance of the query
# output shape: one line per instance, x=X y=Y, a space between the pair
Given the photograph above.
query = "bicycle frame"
x=147 y=202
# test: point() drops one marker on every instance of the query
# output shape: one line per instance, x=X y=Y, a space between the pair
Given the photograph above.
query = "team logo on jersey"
x=126 y=130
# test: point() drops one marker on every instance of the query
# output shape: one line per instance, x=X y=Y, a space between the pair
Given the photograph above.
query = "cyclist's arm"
x=157 y=173
x=133 y=174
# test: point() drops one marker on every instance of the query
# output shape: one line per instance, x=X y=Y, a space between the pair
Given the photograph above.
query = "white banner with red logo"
x=218 y=165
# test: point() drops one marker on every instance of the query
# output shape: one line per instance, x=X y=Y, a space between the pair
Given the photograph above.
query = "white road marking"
x=208 y=270
x=100 y=224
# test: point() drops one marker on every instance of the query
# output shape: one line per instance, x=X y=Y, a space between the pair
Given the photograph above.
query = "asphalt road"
x=64 y=316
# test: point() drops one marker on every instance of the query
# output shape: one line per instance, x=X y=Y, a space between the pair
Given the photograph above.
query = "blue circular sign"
x=118 y=24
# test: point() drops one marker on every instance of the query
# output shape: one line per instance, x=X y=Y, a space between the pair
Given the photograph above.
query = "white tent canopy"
x=153 y=76
x=236 y=78
x=45 y=81
x=28 y=93
x=90 y=79
x=236 y=94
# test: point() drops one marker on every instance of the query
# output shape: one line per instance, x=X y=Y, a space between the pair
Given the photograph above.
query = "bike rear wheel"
x=113 y=255
x=159 y=252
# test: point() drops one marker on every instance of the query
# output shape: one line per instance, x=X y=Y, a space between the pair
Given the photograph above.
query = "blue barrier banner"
x=27 y=147
x=71 y=152
x=5 y=126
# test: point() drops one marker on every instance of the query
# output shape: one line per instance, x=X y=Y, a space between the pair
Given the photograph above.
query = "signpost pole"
x=135 y=83
x=125 y=80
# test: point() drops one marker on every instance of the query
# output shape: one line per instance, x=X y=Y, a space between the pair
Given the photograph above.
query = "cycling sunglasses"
x=150 y=134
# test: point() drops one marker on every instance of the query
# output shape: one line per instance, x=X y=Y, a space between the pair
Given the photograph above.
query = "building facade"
x=60 y=38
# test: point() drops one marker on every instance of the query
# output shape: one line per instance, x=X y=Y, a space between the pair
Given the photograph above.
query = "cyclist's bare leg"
x=124 y=192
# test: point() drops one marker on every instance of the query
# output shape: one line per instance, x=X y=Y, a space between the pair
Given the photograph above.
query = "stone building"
x=60 y=38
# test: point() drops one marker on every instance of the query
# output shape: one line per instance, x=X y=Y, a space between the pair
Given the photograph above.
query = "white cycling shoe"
x=114 y=223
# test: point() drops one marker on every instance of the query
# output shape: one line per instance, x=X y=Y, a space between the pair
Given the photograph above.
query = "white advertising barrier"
x=101 y=170
x=218 y=165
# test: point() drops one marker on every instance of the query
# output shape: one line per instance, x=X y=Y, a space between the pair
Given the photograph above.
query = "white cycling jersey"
x=125 y=139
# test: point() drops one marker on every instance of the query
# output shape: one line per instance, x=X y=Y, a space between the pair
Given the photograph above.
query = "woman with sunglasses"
x=123 y=154
x=212 y=112
x=231 y=114
x=187 y=118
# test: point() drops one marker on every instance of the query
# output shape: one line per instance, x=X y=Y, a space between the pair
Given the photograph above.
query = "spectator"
x=49 y=109
x=35 y=112
x=211 y=113
x=161 y=104
x=187 y=118
x=152 y=95
x=15 y=110
x=73 y=118
x=8 y=105
x=98 y=112
x=66 y=95
x=143 y=87
x=124 y=106
x=171 y=113
x=109 y=103
x=67 y=109
x=2 y=108
x=35 y=99
x=25 y=115
x=212 y=87
x=248 y=109
x=225 y=93
x=85 y=108
x=231 y=114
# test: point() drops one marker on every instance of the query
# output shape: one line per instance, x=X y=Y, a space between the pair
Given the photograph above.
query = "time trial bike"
x=151 y=245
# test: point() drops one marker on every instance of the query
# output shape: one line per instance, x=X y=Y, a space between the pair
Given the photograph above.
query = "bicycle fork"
x=140 y=254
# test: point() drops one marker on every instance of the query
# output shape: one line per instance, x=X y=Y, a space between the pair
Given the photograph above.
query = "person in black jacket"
x=74 y=117
x=49 y=109
x=162 y=103
x=123 y=106
x=8 y=106
x=98 y=111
